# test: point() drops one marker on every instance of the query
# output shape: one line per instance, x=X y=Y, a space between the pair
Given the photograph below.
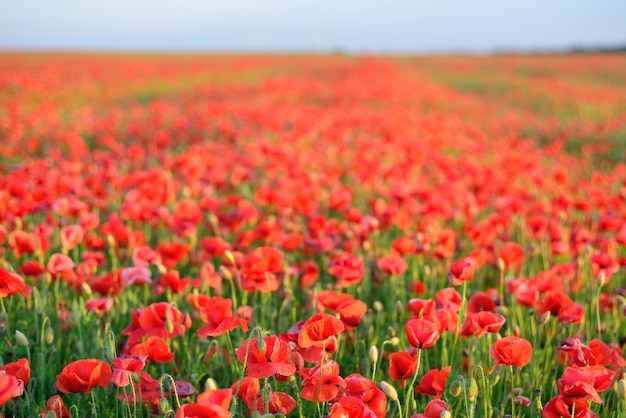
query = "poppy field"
x=312 y=236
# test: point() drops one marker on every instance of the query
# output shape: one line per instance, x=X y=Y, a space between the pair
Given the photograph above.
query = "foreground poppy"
x=83 y=375
x=319 y=331
x=421 y=333
x=511 y=351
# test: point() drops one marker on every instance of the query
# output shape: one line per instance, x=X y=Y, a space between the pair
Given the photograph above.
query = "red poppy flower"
x=172 y=253
x=215 y=246
x=171 y=280
x=402 y=366
x=56 y=405
x=392 y=265
x=10 y=387
x=246 y=389
x=481 y=322
x=404 y=245
x=364 y=389
x=347 y=268
x=421 y=333
x=32 y=269
x=124 y=367
x=309 y=274
x=322 y=382
x=278 y=403
x=155 y=349
x=461 y=271
x=350 y=310
x=560 y=407
x=19 y=369
x=99 y=306
x=12 y=284
x=512 y=254
x=511 y=351
x=72 y=236
x=217 y=314
x=577 y=383
x=22 y=242
x=135 y=276
x=319 y=331
x=83 y=375
x=434 y=409
x=433 y=383
x=60 y=265
x=349 y=407
x=159 y=319
x=144 y=256
x=268 y=357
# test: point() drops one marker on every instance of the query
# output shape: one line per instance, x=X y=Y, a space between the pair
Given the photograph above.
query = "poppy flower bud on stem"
x=210 y=384
x=230 y=257
x=21 y=339
x=457 y=386
x=373 y=354
x=389 y=390
x=378 y=306
x=225 y=273
x=472 y=389
x=621 y=389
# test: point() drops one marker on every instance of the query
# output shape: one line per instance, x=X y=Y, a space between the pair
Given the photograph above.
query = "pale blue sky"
x=320 y=25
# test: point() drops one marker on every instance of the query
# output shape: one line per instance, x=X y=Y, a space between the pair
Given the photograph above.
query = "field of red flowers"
x=312 y=236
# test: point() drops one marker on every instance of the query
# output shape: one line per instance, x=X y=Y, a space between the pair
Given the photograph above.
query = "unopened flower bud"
x=621 y=389
x=395 y=341
x=537 y=405
x=21 y=339
x=226 y=273
x=164 y=406
x=601 y=279
x=399 y=308
x=456 y=387
x=86 y=289
x=391 y=331
x=445 y=414
x=472 y=389
x=543 y=319
x=389 y=391
x=213 y=220
x=501 y=264
x=373 y=354
x=169 y=325
x=261 y=346
x=230 y=257
x=210 y=384
x=378 y=306
x=49 y=335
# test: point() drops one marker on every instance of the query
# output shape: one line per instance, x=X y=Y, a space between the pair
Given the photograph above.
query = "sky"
x=366 y=26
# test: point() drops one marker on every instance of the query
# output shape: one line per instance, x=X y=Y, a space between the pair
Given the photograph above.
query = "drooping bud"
x=230 y=257
x=456 y=387
x=389 y=391
x=226 y=273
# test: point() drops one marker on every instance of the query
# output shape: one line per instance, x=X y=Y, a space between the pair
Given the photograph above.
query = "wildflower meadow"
x=312 y=236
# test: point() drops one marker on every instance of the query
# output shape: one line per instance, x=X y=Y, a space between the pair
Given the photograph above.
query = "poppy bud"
x=86 y=289
x=230 y=257
x=378 y=306
x=399 y=308
x=21 y=339
x=373 y=354
x=51 y=414
x=537 y=405
x=161 y=268
x=472 y=389
x=164 y=406
x=213 y=220
x=169 y=325
x=391 y=331
x=111 y=240
x=210 y=384
x=49 y=335
x=455 y=387
x=226 y=273
x=445 y=414
x=501 y=264
x=389 y=390
x=261 y=346
x=395 y=341
x=621 y=389
x=601 y=279
x=543 y=319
